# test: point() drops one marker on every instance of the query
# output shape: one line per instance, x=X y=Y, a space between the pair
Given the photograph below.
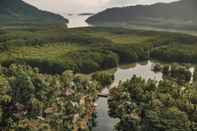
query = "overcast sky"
x=78 y=6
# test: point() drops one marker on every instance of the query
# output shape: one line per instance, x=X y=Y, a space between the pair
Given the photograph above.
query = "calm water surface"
x=139 y=69
x=103 y=121
x=76 y=20
x=106 y=123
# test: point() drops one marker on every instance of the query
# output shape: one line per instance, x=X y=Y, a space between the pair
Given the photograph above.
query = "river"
x=123 y=73
x=76 y=20
x=103 y=121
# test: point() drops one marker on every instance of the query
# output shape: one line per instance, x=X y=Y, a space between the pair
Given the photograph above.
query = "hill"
x=19 y=12
x=180 y=14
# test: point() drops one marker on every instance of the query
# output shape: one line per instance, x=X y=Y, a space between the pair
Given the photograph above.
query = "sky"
x=85 y=6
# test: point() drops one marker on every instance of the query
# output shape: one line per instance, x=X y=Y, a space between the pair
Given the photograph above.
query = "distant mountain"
x=178 y=14
x=17 y=11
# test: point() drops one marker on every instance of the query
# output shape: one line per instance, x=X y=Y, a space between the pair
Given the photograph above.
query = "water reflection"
x=123 y=73
x=139 y=69
x=103 y=120
x=192 y=69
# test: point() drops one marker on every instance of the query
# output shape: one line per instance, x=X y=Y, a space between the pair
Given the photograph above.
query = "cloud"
x=91 y=3
x=76 y=6
x=135 y=2
x=61 y=6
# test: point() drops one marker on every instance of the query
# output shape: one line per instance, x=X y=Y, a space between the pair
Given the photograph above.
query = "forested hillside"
x=180 y=14
x=52 y=77
x=54 y=49
x=19 y=12
x=38 y=92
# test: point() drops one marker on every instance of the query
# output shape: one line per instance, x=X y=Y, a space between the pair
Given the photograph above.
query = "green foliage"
x=157 y=68
x=173 y=15
x=185 y=53
x=178 y=73
x=19 y=12
x=103 y=78
x=88 y=61
x=22 y=88
x=32 y=101
x=195 y=74
x=54 y=49
x=148 y=106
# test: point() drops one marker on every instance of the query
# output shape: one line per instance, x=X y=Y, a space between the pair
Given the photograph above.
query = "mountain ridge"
x=179 y=11
x=18 y=11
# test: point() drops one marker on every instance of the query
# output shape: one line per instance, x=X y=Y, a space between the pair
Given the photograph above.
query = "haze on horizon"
x=81 y=6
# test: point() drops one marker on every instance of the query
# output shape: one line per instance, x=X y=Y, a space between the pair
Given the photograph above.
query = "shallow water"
x=139 y=69
x=123 y=73
x=104 y=121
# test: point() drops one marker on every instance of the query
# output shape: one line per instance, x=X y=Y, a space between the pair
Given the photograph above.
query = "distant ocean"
x=76 y=20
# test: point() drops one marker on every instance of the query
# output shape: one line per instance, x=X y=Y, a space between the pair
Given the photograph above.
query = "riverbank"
x=56 y=49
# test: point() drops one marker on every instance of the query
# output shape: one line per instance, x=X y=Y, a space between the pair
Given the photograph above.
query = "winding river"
x=123 y=73
x=103 y=121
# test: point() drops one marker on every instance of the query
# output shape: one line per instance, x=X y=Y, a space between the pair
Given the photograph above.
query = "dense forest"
x=32 y=101
x=150 y=106
x=52 y=76
x=178 y=15
x=54 y=49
